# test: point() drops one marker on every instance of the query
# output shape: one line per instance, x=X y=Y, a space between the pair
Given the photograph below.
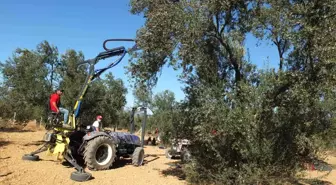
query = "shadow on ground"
x=174 y=164
x=151 y=157
x=6 y=174
x=151 y=160
x=314 y=182
x=4 y=143
x=154 y=155
x=65 y=164
x=117 y=164
x=14 y=129
x=36 y=143
x=121 y=163
x=174 y=170
x=4 y=158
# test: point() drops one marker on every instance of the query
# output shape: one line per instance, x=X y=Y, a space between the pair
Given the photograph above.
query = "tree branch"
x=232 y=58
x=217 y=22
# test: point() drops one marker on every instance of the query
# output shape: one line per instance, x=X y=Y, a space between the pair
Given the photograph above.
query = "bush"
x=258 y=140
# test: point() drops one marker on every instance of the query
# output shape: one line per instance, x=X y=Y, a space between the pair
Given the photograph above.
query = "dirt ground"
x=15 y=142
x=157 y=170
x=321 y=177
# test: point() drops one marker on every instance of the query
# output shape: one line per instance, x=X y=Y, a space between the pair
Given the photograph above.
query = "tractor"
x=96 y=150
x=179 y=147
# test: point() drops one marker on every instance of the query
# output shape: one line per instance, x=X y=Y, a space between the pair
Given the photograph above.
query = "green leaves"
x=20 y=72
x=104 y=97
x=73 y=77
x=265 y=120
x=30 y=76
x=114 y=99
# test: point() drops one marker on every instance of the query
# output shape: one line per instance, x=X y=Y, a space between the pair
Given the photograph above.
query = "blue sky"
x=83 y=26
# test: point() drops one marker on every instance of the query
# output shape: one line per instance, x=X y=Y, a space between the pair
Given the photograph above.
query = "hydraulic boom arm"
x=95 y=73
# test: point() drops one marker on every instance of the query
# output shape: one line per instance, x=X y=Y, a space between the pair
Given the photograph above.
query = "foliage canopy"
x=266 y=121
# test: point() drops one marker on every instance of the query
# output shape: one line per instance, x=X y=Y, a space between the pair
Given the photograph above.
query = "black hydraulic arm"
x=94 y=73
x=116 y=40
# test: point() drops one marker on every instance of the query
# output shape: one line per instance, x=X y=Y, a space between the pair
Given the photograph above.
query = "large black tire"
x=80 y=176
x=138 y=156
x=29 y=157
x=100 y=153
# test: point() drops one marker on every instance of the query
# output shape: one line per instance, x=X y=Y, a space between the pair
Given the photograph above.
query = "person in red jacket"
x=54 y=104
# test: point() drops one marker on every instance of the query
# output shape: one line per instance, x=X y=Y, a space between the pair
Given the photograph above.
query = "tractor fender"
x=91 y=135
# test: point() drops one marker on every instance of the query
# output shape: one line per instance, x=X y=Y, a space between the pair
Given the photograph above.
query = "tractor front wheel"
x=138 y=156
x=100 y=153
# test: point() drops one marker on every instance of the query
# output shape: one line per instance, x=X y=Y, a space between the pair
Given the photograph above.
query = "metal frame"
x=93 y=74
x=144 y=122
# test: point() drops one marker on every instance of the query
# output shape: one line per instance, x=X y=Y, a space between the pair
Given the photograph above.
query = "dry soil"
x=16 y=141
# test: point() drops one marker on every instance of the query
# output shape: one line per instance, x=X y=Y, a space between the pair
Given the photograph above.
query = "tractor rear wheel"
x=138 y=156
x=100 y=153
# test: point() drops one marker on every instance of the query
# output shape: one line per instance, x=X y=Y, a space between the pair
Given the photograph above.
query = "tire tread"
x=90 y=149
x=136 y=155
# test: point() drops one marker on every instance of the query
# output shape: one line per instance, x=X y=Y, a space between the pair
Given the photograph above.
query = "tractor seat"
x=54 y=117
x=53 y=114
